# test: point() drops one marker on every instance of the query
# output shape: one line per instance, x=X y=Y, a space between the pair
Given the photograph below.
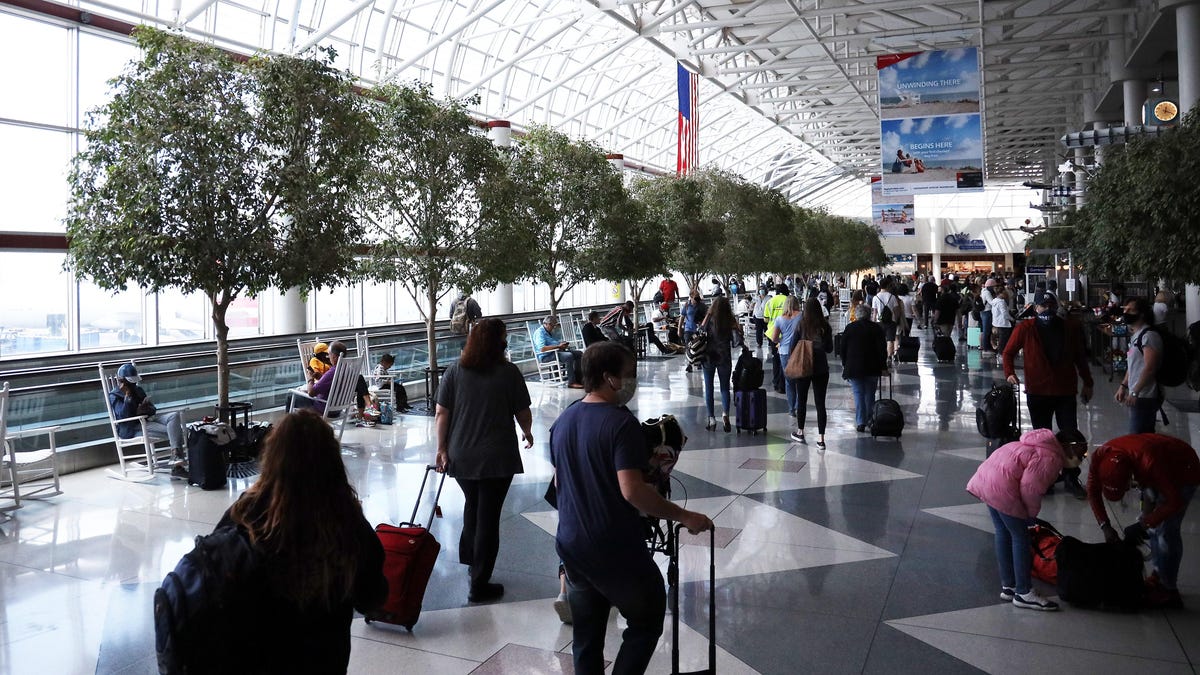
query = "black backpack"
x=1173 y=368
x=658 y=296
x=208 y=605
x=748 y=372
x=996 y=416
x=885 y=316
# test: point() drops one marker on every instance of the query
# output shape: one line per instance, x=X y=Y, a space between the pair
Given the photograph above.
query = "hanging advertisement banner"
x=931 y=138
x=893 y=216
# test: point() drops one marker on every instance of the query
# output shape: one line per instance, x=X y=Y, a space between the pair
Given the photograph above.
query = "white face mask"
x=627 y=390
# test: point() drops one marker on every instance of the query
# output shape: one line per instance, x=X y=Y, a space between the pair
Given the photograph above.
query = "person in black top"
x=591 y=330
x=477 y=444
x=321 y=557
x=864 y=361
x=928 y=301
x=814 y=326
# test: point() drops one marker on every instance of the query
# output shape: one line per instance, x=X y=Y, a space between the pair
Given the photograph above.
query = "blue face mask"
x=1047 y=315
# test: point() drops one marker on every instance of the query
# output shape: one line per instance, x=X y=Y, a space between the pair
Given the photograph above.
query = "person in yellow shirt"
x=319 y=363
x=773 y=310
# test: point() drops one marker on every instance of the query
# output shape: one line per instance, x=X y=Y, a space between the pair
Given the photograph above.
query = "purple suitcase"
x=751 y=410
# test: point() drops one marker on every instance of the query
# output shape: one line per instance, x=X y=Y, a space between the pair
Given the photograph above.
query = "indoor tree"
x=675 y=205
x=213 y=175
x=440 y=204
x=630 y=248
x=1139 y=218
x=567 y=191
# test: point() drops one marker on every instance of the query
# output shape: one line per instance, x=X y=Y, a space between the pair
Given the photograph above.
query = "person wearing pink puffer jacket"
x=1011 y=482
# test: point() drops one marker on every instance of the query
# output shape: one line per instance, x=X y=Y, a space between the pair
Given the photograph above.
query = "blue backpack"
x=207 y=606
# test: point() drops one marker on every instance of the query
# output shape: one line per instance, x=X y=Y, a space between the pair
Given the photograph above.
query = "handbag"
x=146 y=407
x=800 y=359
x=697 y=349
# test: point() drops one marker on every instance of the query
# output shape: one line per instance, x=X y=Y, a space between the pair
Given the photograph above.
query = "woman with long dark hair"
x=477 y=444
x=321 y=557
x=721 y=327
x=814 y=326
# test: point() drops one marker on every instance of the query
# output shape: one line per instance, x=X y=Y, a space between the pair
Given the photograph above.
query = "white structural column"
x=500 y=133
x=1187 y=28
x=1135 y=96
x=291 y=312
x=935 y=246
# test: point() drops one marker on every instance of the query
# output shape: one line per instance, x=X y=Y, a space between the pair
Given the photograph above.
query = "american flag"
x=687 y=147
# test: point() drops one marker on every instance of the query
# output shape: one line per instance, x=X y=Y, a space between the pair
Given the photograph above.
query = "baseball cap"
x=129 y=373
x=1115 y=472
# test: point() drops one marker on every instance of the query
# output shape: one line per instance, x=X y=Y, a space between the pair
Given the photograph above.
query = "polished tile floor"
x=870 y=557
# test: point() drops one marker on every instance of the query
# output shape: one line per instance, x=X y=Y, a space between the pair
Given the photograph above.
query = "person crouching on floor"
x=1011 y=482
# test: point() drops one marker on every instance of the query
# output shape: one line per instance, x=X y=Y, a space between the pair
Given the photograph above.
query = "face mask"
x=627 y=390
x=1046 y=315
x=1131 y=318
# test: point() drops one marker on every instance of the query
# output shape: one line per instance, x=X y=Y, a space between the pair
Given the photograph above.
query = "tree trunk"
x=219 y=308
x=693 y=281
x=554 y=300
x=431 y=340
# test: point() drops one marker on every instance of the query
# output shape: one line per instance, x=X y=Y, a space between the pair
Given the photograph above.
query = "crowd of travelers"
x=600 y=457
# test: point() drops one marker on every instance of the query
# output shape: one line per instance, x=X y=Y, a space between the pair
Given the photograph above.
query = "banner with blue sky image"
x=893 y=216
x=930 y=131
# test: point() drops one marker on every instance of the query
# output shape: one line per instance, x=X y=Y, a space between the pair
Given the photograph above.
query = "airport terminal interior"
x=866 y=556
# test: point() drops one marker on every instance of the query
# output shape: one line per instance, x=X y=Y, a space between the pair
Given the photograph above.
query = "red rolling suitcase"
x=409 y=551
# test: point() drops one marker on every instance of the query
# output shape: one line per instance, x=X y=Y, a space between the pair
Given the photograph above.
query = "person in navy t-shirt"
x=599 y=454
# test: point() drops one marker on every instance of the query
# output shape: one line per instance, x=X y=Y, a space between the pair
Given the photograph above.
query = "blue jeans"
x=1142 y=416
x=789 y=388
x=1013 y=554
x=570 y=360
x=724 y=369
x=864 y=398
x=167 y=424
x=639 y=595
x=1166 y=543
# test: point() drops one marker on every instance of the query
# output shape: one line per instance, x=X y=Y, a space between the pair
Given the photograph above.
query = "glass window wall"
x=35 y=321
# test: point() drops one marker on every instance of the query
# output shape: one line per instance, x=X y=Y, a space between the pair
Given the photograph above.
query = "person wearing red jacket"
x=1054 y=361
x=1167 y=471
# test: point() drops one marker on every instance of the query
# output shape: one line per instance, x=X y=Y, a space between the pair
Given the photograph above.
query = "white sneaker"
x=562 y=608
x=1006 y=593
x=1034 y=600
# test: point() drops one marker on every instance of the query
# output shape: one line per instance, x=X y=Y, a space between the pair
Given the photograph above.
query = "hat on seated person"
x=320 y=348
x=129 y=373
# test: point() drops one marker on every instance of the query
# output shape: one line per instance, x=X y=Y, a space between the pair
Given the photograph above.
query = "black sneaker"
x=486 y=593
x=179 y=471
x=860 y=428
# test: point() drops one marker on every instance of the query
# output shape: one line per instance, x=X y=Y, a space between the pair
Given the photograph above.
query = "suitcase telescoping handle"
x=412 y=520
x=891 y=385
x=712 y=602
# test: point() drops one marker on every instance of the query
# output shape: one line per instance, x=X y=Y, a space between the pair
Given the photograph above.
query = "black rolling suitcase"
x=208 y=447
x=886 y=417
x=673 y=598
x=998 y=417
x=943 y=348
x=907 y=349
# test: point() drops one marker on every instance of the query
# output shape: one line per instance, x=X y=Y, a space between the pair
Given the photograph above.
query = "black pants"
x=1043 y=409
x=776 y=370
x=820 y=384
x=759 y=326
x=648 y=329
x=480 y=539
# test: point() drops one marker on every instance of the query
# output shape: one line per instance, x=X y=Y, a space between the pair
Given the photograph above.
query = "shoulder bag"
x=800 y=359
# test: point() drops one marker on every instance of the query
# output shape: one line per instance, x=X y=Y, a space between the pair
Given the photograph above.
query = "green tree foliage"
x=1139 y=218
x=213 y=176
x=440 y=204
x=852 y=245
x=568 y=194
x=631 y=247
x=675 y=205
x=756 y=221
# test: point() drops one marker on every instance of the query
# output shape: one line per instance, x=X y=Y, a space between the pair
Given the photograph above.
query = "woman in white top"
x=910 y=310
x=1160 y=309
x=1001 y=320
